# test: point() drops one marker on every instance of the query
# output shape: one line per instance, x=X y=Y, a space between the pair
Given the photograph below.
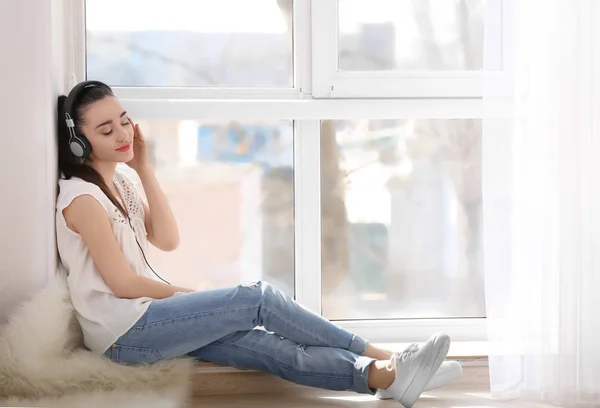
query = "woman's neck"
x=106 y=170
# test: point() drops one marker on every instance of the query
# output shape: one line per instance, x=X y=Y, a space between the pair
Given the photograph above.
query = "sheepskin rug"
x=43 y=363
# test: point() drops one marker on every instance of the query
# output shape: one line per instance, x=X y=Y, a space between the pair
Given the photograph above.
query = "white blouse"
x=103 y=316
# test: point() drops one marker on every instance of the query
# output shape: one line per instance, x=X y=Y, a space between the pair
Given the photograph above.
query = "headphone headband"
x=77 y=89
x=79 y=145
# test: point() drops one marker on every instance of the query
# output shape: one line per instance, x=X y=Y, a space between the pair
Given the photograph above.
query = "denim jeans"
x=220 y=326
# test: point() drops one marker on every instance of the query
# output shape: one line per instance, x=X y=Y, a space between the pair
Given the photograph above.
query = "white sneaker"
x=415 y=367
x=448 y=372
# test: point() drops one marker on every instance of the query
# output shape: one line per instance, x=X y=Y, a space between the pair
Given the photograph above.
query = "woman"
x=130 y=316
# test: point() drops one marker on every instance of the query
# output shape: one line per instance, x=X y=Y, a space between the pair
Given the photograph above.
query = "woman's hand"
x=161 y=227
x=141 y=156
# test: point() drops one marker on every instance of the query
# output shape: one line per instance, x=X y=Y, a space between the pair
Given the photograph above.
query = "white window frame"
x=331 y=82
x=299 y=105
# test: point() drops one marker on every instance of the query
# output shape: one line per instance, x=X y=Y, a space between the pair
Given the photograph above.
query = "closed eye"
x=110 y=131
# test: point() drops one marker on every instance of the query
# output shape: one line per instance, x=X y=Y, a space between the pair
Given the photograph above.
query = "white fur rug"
x=43 y=363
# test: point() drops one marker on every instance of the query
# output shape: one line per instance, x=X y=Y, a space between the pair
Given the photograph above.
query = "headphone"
x=81 y=147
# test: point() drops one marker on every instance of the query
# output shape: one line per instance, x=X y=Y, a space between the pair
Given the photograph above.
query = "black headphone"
x=79 y=145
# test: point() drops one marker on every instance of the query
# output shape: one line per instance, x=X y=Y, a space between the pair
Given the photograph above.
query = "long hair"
x=69 y=165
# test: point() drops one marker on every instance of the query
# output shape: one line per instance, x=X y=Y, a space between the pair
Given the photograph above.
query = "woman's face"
x=107 y=128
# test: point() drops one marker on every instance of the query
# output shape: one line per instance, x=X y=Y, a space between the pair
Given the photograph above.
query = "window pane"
x=230 y=186
x=411 y=35
x=225 y=43
x=401 y=219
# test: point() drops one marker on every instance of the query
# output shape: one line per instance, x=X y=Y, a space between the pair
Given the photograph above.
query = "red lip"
x=124 y=148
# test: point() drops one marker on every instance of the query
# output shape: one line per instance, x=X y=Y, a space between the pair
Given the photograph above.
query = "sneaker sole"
x=426 y=372
x=446 y=379
x=452 y=375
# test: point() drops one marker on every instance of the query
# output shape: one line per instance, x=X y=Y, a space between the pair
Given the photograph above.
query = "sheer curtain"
x=542 y=203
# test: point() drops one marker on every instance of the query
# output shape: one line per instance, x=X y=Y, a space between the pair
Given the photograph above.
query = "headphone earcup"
x=80 y=147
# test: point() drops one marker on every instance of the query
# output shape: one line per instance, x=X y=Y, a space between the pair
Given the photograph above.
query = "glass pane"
x=225 y=43
x=411 y=35
x=401 y=219
x=230 y=186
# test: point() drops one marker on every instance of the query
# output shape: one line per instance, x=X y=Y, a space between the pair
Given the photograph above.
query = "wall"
x=32 y=71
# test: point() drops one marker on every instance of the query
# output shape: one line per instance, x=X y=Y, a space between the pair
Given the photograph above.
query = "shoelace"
x=403 y=355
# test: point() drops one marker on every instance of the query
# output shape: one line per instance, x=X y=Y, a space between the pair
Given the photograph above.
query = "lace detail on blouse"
x=132 y=201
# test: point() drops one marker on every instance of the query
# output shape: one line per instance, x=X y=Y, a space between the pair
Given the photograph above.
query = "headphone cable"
x=143 y=254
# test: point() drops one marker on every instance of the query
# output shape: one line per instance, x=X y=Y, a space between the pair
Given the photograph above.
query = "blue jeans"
x=220 y=326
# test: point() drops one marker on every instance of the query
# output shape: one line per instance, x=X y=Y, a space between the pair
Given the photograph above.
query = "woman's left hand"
x=141 y=156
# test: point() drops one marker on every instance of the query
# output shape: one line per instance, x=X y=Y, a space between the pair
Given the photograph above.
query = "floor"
x=442 y=398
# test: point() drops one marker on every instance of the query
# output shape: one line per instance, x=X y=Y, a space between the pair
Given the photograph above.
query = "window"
x=231 y=187
x=190 y=43
x=405 y=48
x=401 y=219
x=410 y=35
x=329 y=147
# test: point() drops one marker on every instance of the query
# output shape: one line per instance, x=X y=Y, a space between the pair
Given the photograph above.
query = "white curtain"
x=542 y=202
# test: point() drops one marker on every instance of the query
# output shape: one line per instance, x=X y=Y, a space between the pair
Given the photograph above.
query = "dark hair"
x=69 y=165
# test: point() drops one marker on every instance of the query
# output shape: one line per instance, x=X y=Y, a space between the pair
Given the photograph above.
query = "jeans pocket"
x=133 y=355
